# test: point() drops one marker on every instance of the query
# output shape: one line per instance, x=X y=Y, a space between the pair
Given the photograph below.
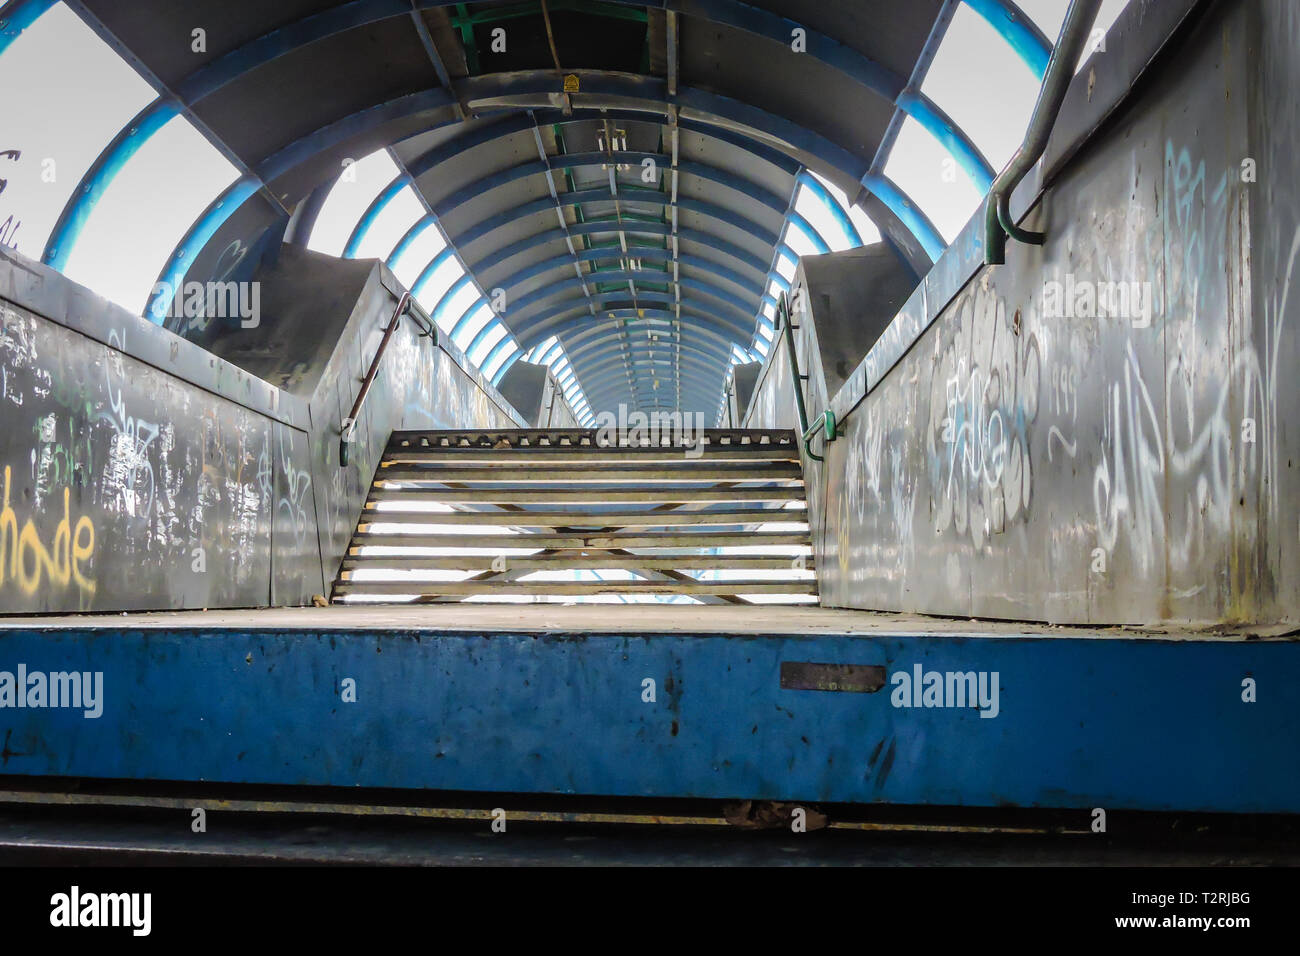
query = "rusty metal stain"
x=850 y=678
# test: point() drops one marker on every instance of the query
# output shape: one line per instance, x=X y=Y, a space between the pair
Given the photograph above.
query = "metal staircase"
x=559 y=515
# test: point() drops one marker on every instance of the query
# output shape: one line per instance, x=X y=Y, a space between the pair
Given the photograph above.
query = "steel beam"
x=647 y=317
x=557 y=319
x=598 y=227
x=613 y=253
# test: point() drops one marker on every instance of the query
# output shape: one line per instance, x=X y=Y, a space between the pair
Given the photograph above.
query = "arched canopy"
x=627 y=183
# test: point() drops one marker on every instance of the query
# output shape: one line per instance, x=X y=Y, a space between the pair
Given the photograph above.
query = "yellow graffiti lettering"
x=25 y=559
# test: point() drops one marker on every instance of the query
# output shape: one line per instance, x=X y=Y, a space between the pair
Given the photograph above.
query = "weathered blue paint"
x=463 y=320
x=329 y=137
x=1113 y=723
x=610 y=389
x=705 y=372
x=740 y=307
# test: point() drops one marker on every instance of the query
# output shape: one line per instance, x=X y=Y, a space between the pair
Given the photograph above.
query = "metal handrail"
x=998 y=223
x=826 y=420
x=349 y=426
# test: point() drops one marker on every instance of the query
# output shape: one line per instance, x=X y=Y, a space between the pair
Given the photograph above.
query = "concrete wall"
x=742 y=380
x=1004 y=456
x=141 y=471
x=533 y=390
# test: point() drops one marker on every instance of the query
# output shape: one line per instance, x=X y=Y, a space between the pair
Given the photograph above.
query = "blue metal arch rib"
x=1020 y=32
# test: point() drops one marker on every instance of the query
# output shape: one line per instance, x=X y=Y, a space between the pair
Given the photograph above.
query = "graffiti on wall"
x=9 y=224
x=1137 y=453
x=123 y=486
x=30 y=561
x=983 y=403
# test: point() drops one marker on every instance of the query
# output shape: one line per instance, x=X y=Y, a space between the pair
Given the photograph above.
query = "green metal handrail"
x=998 y=224
x=825 y=422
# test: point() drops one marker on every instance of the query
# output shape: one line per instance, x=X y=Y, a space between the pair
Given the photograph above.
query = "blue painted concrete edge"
x=1115 y=723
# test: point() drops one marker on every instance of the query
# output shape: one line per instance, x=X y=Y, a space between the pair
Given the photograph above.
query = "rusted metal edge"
x=470 y=814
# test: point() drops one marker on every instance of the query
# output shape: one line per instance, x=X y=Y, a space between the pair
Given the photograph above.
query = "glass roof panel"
x=147 y=209
x=348 y=199
x=921 y=166
x=398 y=215
x=60 y=121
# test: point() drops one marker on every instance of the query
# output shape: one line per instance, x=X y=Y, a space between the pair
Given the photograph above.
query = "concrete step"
x=530 y=472
x=563 y=561
x=582 y=519
x=460 y=589
x=669 y=494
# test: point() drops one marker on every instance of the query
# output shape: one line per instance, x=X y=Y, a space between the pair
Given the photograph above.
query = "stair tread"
x=694 y=562
x=581 y=519
x=543 y=438
x=579 y=540
x=529 y=472
x=637 y=456
x=667 y=495
x=466 y=588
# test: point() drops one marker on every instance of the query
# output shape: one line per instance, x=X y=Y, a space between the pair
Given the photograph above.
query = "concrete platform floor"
x=611 y=619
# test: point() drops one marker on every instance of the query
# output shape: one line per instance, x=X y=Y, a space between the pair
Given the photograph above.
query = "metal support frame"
x=431 y=49
x=602 y=345
x=647 y=317
x=560 y=317
x=661 y=322
x=643 y=228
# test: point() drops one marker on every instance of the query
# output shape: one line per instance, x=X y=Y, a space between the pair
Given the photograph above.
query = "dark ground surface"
x=80 y=836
